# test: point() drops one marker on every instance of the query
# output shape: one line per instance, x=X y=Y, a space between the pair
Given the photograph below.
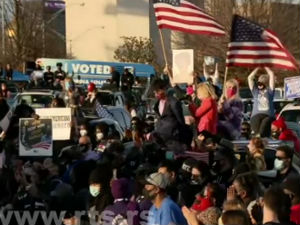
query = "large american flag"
x=252 y=46
x=181 y=15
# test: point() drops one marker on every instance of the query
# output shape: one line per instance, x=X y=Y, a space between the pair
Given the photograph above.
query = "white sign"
x=61 y=121
x=292 y=87
x=35 y=137
x=183 y=66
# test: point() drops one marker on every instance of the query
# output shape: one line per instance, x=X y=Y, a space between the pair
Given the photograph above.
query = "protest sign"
x=4 y=123
x=292 y=87
x=209 y=60
x=61 y=121
x=183 y=66
x=35 y=137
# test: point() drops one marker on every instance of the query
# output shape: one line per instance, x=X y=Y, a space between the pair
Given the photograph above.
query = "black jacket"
x=171 y=122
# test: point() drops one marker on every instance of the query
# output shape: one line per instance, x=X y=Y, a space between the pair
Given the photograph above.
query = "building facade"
x=94 y=27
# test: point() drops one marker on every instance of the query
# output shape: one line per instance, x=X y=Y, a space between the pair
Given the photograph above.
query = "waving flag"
x=252 y=46
x=181 y=15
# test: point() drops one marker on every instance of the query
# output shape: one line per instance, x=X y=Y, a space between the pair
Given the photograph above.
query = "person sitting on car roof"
x=281 y=132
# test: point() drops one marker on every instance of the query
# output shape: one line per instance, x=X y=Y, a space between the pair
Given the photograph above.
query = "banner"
x=35 y=137
x=183 y=66
x=292 y=87
x=61 y=121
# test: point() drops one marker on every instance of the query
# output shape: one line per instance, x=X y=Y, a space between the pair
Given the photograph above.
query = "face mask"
x=67 y=85
x=231 y=92
x=83 y=133
x=275 y=134
x=278 y=164
x=149 y=194
x=83 y=148
x=99 y=136
x=196 y=180
x=160 y=96
x=94 y=191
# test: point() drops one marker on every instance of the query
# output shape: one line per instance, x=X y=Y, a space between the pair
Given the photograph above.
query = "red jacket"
x=207 y=114
x=288 y=135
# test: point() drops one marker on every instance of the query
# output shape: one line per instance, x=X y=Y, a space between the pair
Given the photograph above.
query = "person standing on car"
x=115 y=77
x=263 y=108
x=127 y=80
x=93 y=101
x=59 y=73
x=8 y=72
x=49 y=77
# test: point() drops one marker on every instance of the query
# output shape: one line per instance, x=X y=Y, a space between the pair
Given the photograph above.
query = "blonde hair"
x=235 y=84
x=205 y=90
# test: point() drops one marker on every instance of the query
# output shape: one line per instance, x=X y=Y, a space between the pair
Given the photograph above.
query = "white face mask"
x=278 y=164
x=99 y=136
x=83 y=133
x=94 y=191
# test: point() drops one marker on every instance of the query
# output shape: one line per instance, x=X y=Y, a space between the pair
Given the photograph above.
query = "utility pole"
x=3 y=28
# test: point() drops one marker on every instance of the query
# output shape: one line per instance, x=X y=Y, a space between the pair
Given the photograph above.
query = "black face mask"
x=148 y=195
x=83 y=147
x=275 y=135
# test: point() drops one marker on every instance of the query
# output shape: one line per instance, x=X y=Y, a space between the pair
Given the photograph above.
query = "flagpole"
x=163 y=46
x=225 y=79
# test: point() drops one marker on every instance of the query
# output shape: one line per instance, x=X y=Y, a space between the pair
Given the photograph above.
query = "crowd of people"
x=147 y=177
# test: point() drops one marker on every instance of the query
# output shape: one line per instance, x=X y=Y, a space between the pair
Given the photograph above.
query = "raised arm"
x=271 y=78
x=251 y=78
x=206 y=75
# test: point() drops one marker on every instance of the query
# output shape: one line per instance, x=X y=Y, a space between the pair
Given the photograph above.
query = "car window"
x=291 y=115
x=44 y=100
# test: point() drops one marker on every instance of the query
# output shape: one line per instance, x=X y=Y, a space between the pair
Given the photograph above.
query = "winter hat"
x=264 y=79
x=280 y=123
x=120 y=188
x=210 y=216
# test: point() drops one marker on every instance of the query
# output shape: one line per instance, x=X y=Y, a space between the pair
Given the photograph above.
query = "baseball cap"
x=158 y=179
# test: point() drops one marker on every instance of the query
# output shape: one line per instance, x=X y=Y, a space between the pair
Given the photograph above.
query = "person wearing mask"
x=101 y=136
x=71 y=97
x=291 y=187
x=5 y=93
x=263 y=108
x=230 y=109
x=246 y=188
x=59 y=74
x=276 y=207
x=245 y=131
x=206 y=114
x=168 y=168
x=164 y=211
x=213 y=196
x=256 y=157
x=85 y=147
x=283 y=163
x=8 y=72
x=49 y=77
x=170 y=116
x=122 y=210
x=100 y=191
x=37 y=76
x=127 y=80
x=281 y=132
x=115 y=77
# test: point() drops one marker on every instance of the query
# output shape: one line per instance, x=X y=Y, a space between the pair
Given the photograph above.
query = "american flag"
x=253 y=46
x=181 y=15
x=102 y=111
x=43 y=145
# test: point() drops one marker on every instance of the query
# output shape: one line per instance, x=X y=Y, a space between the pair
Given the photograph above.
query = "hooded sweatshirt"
x=287 y=134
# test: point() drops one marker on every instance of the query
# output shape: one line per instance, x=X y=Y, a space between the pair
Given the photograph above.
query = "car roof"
x=291 y=106
x=36 y=93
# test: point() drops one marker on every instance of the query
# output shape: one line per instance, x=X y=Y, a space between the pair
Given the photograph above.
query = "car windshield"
x=291 y=115
x=245 y=93
x=37 y=100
